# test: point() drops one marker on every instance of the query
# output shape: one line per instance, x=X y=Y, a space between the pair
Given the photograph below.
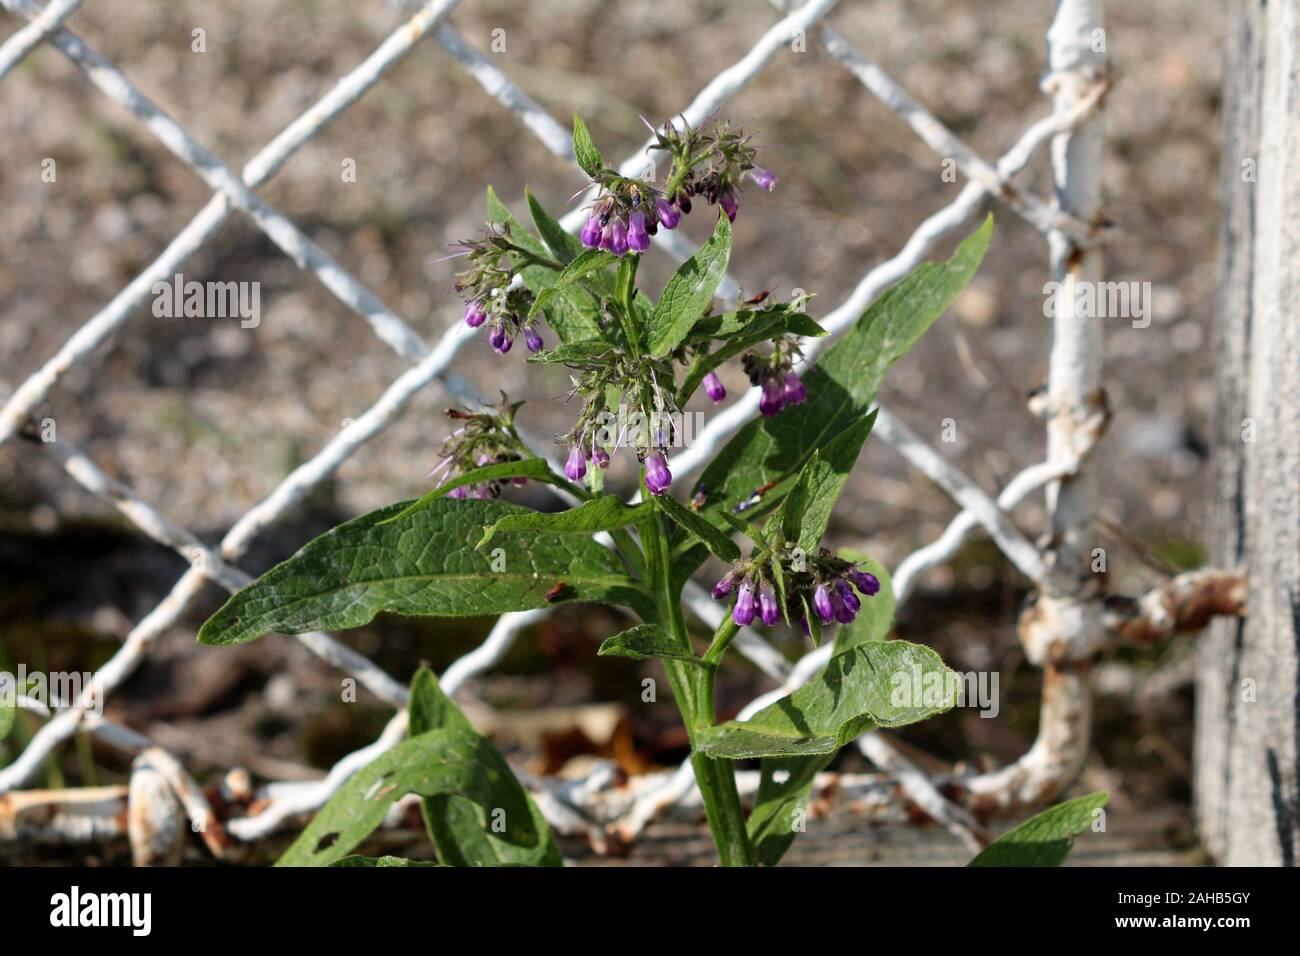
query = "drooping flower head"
x=709 y=160
x=820 y=585
x=480 y=439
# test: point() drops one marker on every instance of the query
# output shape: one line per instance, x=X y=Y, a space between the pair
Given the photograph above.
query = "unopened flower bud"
x=576 y=465
x=768 y=611
x=638 y=240
x=743 y=612
x=475 y=315
x=657 y=475
x=669 y=216
x=714 y=388
x=590 y=234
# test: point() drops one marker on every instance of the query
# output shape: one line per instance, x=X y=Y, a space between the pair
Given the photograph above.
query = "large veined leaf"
x=877 y=684
x=1046 y=838
x=606 y=513
x=423 y=564
x=843 y=382
x=437 y=762
x=806 y=510
x=465 y=832
x=644 y=642
x=690 y=291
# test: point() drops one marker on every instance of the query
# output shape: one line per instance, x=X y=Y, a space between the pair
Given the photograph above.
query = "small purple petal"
x=657 y=475
x=638 y=240
x=767 y=606
x=723 y=588
x=600 y=457
x=793 y=390
x=822 y=603
x=730 y=204
x=460 y=492
x=590 y=234
x=533 y=339
x=618 y=237
x=867 y=583
x=474 y=314
x=576 y=465
x=843 y=613
x=607 y=238
x=743 y=612
x=773 y=398
x=668 y=215
x=765 y=178
x=713 y=387
x=845 y=592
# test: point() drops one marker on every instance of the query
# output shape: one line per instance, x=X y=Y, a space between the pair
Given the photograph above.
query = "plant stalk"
x=692 y=686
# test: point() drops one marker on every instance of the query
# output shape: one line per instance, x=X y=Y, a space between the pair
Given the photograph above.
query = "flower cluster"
x=775 y=375
x=625 y=215
x=494 y=300
x=623 y=406
x=823 y=585
x=482 y=438
x=710 y=161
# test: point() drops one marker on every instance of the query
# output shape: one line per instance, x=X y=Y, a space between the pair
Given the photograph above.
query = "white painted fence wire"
x=594 y=806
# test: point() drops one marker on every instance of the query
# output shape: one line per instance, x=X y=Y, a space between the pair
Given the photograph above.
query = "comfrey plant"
x=761 y=507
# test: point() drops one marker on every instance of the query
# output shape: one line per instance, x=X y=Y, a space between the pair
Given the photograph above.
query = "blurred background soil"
x=204 y=418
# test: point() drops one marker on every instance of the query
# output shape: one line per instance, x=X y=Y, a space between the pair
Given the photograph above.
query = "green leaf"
x=706 y=531
x=535 y=468
x=771 y=824
x=740 y=331
x=588 y=262
x=876 y=618
x=381 y=861
x=437 y=762
x=878 y=684
x=843 y=383
x=644 y=642
x=423 y=564
x=585 y=150
x=575 y=353
x=690 y=291
x=1046 y=838
x=563 y=244
x=607 y=513
x=462 y=829
x=806 y=510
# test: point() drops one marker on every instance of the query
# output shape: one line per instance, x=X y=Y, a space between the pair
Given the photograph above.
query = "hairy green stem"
x=692 y=685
